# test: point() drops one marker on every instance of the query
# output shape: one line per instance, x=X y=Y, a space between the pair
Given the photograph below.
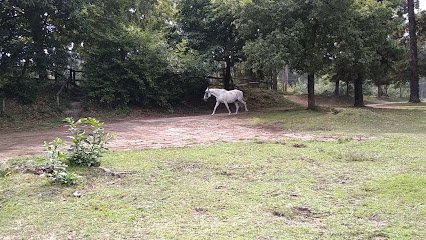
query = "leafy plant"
x=65 y=178
x=88 y=139
x=56 y=169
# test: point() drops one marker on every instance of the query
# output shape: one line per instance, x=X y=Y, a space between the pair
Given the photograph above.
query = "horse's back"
x=238 y=93
x=228 y=96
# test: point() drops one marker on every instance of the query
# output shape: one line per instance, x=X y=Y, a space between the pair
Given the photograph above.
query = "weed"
x=55 y=168
x=88 y=139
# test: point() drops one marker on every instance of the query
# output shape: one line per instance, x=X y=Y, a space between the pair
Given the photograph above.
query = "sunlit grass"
x=347 y=121
x=342 y=189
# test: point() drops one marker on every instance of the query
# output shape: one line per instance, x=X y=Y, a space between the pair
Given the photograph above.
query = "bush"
x=138 y=68
x=64 y=178
x=88 y=139
x=55 y=168
x=88 y=143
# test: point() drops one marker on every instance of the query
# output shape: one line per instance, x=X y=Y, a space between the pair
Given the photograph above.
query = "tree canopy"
x=159 y=53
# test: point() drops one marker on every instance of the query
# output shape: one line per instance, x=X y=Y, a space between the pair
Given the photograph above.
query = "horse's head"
x=207 y=94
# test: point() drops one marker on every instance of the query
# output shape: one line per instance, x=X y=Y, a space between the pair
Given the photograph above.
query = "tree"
x=366 y=48
x=422 y=43
x=36 y=32
x=302 y=33
x=414 y=66
x=210 y=29
x=263 y=57
x=35 y=38
x=128 y=61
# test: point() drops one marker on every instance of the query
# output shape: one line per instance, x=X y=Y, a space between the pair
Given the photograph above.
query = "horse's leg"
x=242 y=101
x=236 y=107
x=226 y=104
x=215 y=106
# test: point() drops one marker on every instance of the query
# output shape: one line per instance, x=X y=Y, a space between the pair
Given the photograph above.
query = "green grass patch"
x=348 y=121
x=265 y=190
x=373 y=188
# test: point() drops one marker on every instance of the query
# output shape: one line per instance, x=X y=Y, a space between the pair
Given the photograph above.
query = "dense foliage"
x=158 y=53
x=128 y=62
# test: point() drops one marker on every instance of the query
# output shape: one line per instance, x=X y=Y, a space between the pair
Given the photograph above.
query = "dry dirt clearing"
x=154 y=133
x=143 y=133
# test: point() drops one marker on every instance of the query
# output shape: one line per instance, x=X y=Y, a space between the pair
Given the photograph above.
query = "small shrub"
x=65 y=178
x=88 y=139
x=55 y=168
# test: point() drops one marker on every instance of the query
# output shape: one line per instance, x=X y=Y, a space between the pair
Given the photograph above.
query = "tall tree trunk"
x=311 y=91
x=414 y=67
x=347 y=89
x=359 y=97
x=336 y=88
x=227 y=75
x=39 y=43
x=379 y=89
x=274 y=80
x=285 y=79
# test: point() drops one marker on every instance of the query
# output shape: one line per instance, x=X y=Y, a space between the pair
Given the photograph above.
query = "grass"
x=348 y=121
x=343 y=189
x=248 y=191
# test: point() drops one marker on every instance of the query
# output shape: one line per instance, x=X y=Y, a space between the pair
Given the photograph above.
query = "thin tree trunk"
x=414 y=67
x=311 y=91
x=227 y=75
x=285 y=79
x=379 y=90
x=359 y=97
x=336 y=88
x=347 y=89
x=274 y=80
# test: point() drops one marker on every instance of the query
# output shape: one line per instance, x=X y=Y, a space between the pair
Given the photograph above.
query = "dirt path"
x=144 y=133
x=155 y=133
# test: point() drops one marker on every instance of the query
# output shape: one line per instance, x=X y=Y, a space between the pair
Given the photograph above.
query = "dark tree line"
x=158 y=53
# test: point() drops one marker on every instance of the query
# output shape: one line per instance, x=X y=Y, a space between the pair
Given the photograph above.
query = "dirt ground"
x=144 y=133
x=155 y=133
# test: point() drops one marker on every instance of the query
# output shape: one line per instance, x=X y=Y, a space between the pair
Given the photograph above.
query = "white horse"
x=225 y=97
